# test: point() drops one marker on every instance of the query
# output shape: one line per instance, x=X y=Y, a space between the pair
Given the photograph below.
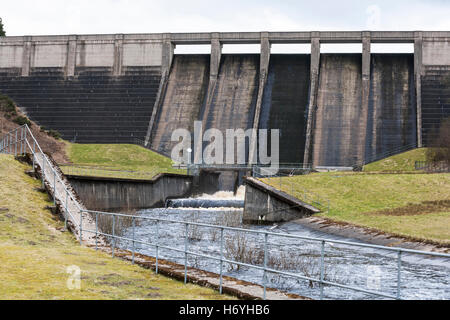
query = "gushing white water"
x=225 y=195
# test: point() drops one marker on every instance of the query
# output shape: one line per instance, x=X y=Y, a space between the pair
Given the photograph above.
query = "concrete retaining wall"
x=124 y=194
x=264 y=203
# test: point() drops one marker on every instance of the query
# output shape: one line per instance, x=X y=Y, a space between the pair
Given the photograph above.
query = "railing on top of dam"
x=263 y=265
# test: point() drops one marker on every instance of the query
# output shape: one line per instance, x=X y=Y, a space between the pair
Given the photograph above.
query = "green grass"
x=400 y=162
x=35 y=253
x=393 y=203
x=126 y=157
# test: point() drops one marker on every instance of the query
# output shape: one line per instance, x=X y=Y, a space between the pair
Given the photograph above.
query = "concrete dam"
x=331 y=109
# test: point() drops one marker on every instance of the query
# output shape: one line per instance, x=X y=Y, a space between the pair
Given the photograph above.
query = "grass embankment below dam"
x=116 y=160
x=35 y=253
x=412 y=205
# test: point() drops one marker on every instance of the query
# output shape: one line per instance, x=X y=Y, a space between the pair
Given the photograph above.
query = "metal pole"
x=81 y=227
x=21 y=140
x=185 y=253
x=15 y=144
x=96 y=230
x=25 y=138
x=43 y=170
x=265 y=265
x=34 y=152
x=113 y=234
x=133 y=224
x=221 y=260
x=54 y=187
x=399 y=268
x=322 y=269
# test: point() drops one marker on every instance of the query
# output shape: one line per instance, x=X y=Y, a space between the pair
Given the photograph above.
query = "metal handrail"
x=157 y=244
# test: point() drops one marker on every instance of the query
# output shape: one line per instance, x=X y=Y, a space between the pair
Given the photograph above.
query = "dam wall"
x=331 y=109
x=392 y=119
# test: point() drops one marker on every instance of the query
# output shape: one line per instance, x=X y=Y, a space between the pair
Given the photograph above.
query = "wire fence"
x=440 y=166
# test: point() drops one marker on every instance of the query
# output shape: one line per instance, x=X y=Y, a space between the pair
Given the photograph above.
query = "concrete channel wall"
x=265 y=204
x=113 y=194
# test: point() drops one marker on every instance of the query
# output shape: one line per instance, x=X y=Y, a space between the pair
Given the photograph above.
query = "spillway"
x=391 y=117
x=339 y=119
x=285 y=103
x=184 y=96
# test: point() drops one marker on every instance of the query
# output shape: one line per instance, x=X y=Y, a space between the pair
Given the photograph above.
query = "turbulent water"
x=370 y=269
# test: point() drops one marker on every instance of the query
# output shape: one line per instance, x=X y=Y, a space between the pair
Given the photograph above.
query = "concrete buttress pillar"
x=216 y=54
x=314 y=86
x=26 y=56
x=118 y=55
x=418 y=70
x=366 y=57
x=166 y=62
x=71 y=56
x=263 y=71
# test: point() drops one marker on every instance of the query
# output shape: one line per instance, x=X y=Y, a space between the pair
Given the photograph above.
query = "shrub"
x=7 y=105
x=21 y=120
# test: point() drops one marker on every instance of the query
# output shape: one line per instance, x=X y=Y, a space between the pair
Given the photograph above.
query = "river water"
x=422 y=277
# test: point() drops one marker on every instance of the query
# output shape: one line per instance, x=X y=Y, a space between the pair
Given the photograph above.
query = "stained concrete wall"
x=285 y=103
x=183 y=99
x=124 y=194
x=266 y=204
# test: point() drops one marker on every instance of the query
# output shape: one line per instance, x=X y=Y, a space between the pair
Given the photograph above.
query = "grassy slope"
x=120 y=156
x=400 y=162
x=360 y=198
x=34 y=253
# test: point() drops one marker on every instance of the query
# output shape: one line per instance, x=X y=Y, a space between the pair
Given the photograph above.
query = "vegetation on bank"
x=410 y=205
x=401 y=162
x=126 y=157
x=35 y=253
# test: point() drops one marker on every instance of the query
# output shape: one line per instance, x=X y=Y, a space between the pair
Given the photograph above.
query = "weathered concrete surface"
x=339 y=119
x=264 y=203
x=368 y=235
x=113 y=194
x=183 y=98
x=285 y=104
x=391 y=118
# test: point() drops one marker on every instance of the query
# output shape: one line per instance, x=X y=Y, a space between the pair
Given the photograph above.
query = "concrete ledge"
x=264 y=203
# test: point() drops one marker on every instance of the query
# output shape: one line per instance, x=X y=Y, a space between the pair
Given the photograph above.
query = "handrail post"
x=25 y=138
x=15 y=144
x=81 y=227
x=54 y=187
x=221 y=260
x=96 y=230
x=185 y=253
x=399 y=268
x=67 y=212
x=266 y=236
x=34 y=153
x=43 y=171
x=322 y=269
